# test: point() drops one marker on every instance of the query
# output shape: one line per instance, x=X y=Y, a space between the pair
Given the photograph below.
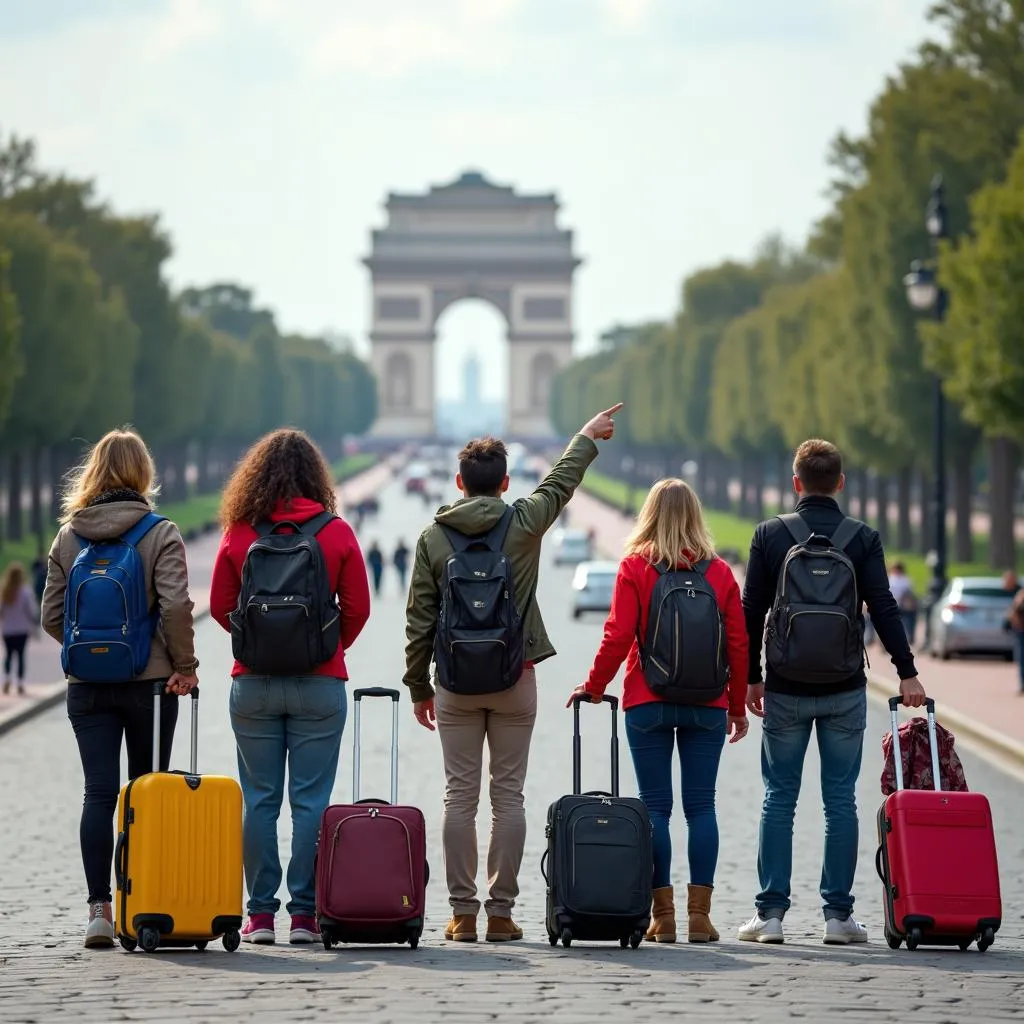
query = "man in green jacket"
x=504 y=719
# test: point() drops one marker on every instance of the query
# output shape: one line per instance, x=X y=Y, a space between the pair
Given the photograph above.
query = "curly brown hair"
x=283 y=465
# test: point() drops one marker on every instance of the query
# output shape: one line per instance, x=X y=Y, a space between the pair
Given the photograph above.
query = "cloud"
x=628 y=15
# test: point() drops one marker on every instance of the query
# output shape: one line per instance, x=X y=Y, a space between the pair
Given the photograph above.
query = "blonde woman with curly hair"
x=291 y=720
x=107 y=499
x=671 y=534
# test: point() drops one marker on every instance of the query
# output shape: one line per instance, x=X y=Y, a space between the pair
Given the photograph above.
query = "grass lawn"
x=192 y=516
x=731 y=531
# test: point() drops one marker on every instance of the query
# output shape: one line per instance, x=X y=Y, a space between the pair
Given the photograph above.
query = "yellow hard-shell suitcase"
x=178 y=860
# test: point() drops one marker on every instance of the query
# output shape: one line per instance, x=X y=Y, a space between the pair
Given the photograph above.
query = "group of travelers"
x=288 y=722
x=400 y=561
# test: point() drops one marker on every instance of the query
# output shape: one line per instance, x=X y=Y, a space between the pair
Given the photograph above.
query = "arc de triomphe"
x=469 y=239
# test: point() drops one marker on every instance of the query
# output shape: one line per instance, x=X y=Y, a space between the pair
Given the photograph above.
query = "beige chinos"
x=505 y=721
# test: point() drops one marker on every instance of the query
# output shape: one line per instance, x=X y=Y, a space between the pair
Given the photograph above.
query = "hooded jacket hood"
x=108 y=520
x=471 y=516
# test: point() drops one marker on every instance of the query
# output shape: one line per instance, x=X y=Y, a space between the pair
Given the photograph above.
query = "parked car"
x=970 y=618
x=593 y=583
x=572 y=547
x=416 y=478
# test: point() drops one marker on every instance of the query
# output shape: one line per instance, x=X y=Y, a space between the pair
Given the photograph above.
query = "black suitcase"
x=599 y=863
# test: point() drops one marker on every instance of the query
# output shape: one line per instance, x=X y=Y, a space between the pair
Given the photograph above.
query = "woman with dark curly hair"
x=293 y=720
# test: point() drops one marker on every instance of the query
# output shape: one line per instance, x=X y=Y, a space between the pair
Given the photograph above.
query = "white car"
x=572 y=547
x=593 y=583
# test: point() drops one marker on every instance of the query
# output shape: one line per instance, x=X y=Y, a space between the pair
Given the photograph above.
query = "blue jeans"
x=839 y=722
x=1019 y=634
x=699 y=732
x=296 y=720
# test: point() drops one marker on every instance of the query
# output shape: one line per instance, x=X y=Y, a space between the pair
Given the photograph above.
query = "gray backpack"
x=683 y=655
x=814 y=631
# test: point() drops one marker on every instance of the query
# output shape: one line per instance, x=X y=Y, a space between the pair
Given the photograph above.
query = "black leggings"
x=101 y=714
x=14 y=647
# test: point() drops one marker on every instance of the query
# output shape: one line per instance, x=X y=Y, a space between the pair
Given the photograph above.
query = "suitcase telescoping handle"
x=193 y=757
x=897 y=756
x=577 y=771
x=357 y=699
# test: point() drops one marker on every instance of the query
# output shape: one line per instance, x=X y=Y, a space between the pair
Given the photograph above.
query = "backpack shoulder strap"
x=702 y=566
x=845 y=532
x=499 y=532
x=141 y=528
x=494 y=538
x=313 y=526
x=797 y=526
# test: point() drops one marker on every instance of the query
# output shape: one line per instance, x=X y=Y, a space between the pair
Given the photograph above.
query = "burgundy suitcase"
x=371 y=873
x=937 y=861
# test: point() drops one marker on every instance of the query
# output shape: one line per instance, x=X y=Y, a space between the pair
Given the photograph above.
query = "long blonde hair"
x=119 y=460
x=671 y=523
x=14 y=580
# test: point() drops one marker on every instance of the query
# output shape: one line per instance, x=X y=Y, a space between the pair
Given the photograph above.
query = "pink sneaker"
x=259 y=928
x=304 y=929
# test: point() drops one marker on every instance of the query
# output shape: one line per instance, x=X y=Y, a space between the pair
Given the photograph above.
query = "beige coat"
x=163 y=557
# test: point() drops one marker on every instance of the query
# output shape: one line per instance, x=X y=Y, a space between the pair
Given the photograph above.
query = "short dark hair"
x=483 y=464
x=818 y=465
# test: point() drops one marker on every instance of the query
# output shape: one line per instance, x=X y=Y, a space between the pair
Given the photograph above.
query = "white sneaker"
x=839 y=933
x=762 y=929
x=99 y=933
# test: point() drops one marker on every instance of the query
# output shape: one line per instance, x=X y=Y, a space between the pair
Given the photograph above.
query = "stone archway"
x=469 y=239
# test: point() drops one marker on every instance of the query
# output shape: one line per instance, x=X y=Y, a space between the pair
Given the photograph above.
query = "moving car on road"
x=593 y=584
x=970 y=617
x=572 y=547
x=416 y=478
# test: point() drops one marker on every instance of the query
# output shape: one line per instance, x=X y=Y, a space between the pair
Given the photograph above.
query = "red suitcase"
x=937 y=861
x=371 y=873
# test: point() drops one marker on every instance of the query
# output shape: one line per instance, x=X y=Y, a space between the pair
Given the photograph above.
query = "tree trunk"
x=15 y=523
x=203 y=481
x=882 y=507
x=757 y=491
x=1004 y=460
x=963 y=538
x=785 y=475
x=743 y=466
x=704 y=479
x=904 y=528
x=35 y=471
x=926 y=527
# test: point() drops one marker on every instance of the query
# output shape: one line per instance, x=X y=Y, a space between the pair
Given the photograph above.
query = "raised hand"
x=602 y=426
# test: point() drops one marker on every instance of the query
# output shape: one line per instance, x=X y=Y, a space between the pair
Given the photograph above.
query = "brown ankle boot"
x=698 y=906
x=461 y=928
x=663 y=916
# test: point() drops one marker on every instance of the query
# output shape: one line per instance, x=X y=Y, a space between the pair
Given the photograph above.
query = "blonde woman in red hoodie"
x=671 y=531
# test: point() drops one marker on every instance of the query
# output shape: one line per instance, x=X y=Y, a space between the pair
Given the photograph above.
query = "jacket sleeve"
x=620 y=632
x=28 y=604
x=170 y=581
x=53 y=593
x=736 y=641
x=421 y=623
x=225 y=584
x=538 y=512
x=353 y=588
x=873 y=582
x=758 y=593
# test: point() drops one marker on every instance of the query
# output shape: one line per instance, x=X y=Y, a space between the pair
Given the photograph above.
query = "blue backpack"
x=108 y=625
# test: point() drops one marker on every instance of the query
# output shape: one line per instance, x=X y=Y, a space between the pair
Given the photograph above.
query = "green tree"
x=11 y=358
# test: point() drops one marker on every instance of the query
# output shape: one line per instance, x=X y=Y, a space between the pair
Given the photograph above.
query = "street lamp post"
x=926 y=295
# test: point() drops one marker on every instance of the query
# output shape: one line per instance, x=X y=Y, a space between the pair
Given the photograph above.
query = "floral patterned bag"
x=917 y=759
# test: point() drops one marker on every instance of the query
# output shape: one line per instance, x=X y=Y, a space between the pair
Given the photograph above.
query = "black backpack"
x=683 y=656
x=814 y=632
x=478 y=647
x=287 y=619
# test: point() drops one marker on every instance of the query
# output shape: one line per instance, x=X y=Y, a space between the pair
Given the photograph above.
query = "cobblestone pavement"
x=45 y=974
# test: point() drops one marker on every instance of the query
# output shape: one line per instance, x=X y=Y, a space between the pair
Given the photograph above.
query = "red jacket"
x=627 y=620
x=344 y=565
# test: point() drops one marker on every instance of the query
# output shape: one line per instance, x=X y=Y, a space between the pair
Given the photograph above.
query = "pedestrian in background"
x=400 y=561
x=106 y=498
x=902 y=588
x=671 y=533
x=375 y=560
x=1015 y=618
x=19 y=619
x=286 y=721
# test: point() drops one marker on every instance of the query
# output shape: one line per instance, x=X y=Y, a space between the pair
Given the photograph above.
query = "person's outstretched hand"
x=602 y=426
x=582 y=691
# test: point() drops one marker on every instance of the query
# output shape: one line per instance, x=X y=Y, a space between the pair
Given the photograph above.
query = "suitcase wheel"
x=232 y=940
x=624 y=942
x=149 y=939
x=893 y=940
x=328 y=941
x=566 y=938
x=635 y=939
x=988 y=936
x=201 y=944
x=129 y=945
x=965 y=945
x=553 y=939
x=913 y=939
x=414 y=941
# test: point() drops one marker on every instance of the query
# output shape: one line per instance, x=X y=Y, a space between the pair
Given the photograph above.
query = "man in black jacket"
x=837 y=710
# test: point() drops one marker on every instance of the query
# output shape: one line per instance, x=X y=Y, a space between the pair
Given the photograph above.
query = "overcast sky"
x=268 y=132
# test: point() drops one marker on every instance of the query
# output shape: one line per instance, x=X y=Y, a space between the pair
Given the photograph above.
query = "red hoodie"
x=627 y=620
x=345 y=566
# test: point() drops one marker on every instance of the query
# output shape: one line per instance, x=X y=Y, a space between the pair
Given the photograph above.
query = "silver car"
x=593 y=584
x=572 y=547
x=970 y=618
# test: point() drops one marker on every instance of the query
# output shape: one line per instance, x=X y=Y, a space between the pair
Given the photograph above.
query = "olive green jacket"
x=533 y=517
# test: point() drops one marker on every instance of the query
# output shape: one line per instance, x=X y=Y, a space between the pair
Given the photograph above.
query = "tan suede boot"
x=698 y=906
x=663 y=916
x=461 y=928
x=503 y=929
